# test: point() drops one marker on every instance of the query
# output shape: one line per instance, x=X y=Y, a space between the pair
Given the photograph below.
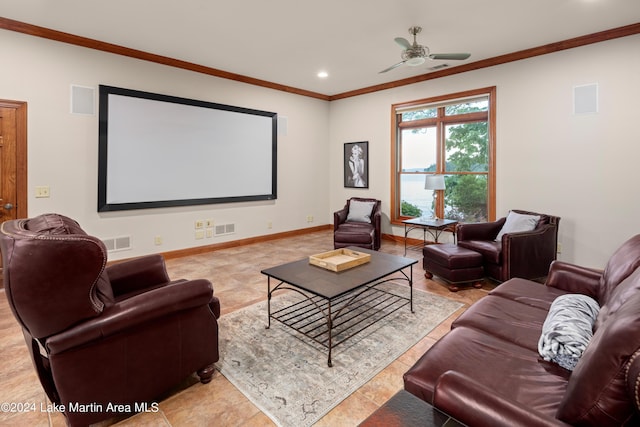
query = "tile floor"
x=235 y=273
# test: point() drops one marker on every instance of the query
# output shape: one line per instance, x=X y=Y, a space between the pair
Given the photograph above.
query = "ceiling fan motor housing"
x=415 y=55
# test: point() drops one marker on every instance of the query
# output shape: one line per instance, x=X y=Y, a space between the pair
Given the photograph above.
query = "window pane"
x=467 y=107
x=415 y=201
x=466 y=198
x=418 y=150
x=466 y=147
x=426 y=113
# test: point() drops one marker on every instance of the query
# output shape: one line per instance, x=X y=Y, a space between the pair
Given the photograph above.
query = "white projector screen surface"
x=158 y=151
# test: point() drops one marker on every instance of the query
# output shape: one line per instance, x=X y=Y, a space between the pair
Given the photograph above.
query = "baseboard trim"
x=241 y=242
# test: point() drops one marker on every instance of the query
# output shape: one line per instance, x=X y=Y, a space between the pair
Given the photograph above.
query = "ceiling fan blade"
x=458 y=56
x=392 y=67
x=403 y=42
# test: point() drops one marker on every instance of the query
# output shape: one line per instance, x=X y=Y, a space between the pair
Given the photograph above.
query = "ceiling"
x=288 y=42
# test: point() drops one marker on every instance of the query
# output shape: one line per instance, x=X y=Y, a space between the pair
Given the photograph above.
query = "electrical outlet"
x=208 y=223
x=200 y=234
x=269 y=225
x=157 y=240
x=199 y=224
x=309 y=218
x=209 y=233
x=42 y=192
x=559 y=247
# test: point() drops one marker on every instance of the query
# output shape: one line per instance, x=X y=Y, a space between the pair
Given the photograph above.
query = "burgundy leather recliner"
x=103 y=335
x=526 y=254
x=365 y=234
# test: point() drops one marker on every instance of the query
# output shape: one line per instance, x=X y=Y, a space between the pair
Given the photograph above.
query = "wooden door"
x=13 y=161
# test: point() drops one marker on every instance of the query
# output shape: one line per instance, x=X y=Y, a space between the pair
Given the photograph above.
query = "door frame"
x=21 y=155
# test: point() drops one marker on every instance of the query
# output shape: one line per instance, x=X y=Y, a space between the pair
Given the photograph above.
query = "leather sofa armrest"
x=339 y=217
x=476 y=405
x=479 y=230
x=574 y=278
x=136 y=274
x=137 y=310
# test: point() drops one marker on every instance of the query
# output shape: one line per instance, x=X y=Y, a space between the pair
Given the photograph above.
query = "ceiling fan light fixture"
x=414 y=62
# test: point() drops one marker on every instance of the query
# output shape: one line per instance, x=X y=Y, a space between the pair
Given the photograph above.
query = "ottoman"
x=454 y=264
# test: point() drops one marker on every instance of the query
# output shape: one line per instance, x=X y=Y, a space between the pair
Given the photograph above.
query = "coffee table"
x=406 y=410
x=338 y=305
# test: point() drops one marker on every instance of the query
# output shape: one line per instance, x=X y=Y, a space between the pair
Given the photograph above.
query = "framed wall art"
x=356 y=164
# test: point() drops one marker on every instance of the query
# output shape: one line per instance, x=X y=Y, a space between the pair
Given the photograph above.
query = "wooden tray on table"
x=339 y=259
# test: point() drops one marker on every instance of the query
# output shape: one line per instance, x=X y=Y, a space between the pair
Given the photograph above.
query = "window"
x=454 y=136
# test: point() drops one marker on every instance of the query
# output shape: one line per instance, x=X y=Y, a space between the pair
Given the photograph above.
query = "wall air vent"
x=115 y=244
x=224 y=229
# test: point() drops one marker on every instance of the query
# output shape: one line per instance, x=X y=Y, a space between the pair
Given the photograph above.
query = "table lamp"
x=434 y=182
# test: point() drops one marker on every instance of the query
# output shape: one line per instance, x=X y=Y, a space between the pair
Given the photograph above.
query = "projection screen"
x=160 y=151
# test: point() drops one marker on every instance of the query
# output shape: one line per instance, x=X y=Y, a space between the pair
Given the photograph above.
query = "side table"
x=406 y=410
x=435 y=227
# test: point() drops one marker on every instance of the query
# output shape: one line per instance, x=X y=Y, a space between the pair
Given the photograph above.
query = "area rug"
x=285 y=374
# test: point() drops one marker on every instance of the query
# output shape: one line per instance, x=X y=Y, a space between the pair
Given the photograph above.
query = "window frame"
x=397 y=126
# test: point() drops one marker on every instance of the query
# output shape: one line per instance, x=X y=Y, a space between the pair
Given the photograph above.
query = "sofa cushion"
x=480 y=356
x=528 y=293
x=624 y=261
x=360 y=211
x=517 y=222
x=505 y=319
x=567 y=329
x=625 y=290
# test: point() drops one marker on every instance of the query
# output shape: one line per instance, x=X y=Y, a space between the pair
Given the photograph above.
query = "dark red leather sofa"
x=103 y=338
x=487 y=371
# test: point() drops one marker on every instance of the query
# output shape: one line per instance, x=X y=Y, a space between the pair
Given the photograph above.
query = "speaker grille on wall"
x=585 y=99
x=82 y=100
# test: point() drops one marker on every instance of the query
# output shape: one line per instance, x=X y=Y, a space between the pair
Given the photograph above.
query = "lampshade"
x=434 y=182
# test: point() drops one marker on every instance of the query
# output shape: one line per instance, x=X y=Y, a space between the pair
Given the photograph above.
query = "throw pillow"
x=567 y=329
x=360 y=211
x=518 y=222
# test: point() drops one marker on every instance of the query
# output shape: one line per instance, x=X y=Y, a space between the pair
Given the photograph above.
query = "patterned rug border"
x=347 y=374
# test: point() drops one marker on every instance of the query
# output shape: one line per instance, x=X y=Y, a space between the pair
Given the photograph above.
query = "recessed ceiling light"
x=323 y=74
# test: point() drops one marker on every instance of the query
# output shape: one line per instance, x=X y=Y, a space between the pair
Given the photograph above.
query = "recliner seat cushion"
x=490 y=250
x=353 y=236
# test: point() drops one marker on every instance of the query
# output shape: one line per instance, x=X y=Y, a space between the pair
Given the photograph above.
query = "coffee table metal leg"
x=411 y=286
x=330 y=331
x=268 y=303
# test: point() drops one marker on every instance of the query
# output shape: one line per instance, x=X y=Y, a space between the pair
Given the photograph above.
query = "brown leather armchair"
x=117 y=335
x=525 y=254
x=358 y=224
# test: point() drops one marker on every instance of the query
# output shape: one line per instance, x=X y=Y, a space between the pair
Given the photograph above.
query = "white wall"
x=63 y=147
x=583 y=168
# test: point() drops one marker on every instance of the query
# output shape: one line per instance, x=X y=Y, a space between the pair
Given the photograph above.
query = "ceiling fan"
x=415 y=54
